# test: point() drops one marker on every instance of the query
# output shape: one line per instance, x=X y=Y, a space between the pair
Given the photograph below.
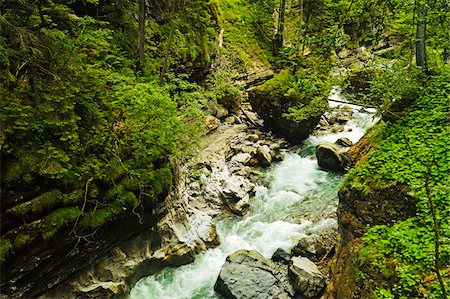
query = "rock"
x=253 y=137
x=336 y=128
x=241 y=207
x=344 y=142
x=217 y=111
x=221 y=113
x=247 y=274
x=342 y=119
x=274 y=146
x=230 y=120
x=263 y=154
x=306 y=278
x=329 y=157
x=251 y=115
x=248 y=149
x=281 y=256
x=309 y=247
x=236 y=194
x=211 y=123
x=278 y=157
x=242 y=158
x=253 y=162
x=271 y=104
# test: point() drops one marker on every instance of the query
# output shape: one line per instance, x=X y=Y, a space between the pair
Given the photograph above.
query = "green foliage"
x=312 y=91
x=383 y=294
x=404 y=251
x=392 y=86
x=223 y=91
x=75 y=115
x=307 y=90
x=248 y=31
x=97 y=218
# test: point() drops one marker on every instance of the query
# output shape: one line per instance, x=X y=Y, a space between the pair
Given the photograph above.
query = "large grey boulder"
x=306 y=278
x=247 y=274
x=330 y=157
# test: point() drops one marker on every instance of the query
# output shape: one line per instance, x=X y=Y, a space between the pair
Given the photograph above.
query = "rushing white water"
x=299 y=199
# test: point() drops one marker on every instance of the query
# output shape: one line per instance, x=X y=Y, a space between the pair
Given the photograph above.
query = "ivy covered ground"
x=414 y=152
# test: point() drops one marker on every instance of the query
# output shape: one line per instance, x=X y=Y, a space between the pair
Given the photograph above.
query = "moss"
x=96 y=219
x=247 y=43
x=313 y=109
x=57 y=219
x=21 y=241
x=278 y=84
x=5 y=247
x=73 y=197
x=38 y=205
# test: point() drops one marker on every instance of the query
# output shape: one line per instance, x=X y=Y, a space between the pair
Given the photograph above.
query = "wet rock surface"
x=306 y=278
x=331 y=157
x=247 y=274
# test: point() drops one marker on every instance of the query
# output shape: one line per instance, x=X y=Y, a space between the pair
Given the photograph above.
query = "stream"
x=296 y=199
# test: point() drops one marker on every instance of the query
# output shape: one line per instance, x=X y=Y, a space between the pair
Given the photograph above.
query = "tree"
x=278 y=42
x=141 y=34
x=421 y=56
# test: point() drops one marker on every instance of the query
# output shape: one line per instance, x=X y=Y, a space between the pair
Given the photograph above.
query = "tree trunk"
x=280 y=28
x=421 y=56
x=141 y=34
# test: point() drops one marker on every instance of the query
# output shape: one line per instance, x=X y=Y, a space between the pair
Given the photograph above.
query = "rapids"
x=297 y=198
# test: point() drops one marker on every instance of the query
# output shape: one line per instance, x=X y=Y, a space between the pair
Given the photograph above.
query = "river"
x=297 y=198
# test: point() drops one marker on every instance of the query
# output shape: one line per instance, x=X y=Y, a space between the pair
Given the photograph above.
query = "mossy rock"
x=117 y=209
x=5 y=247
x=57 y=219
x=22 y=236
x=287 y=108
x=38 y=206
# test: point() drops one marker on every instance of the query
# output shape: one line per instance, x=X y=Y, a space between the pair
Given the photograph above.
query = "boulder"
x=309 y=247
x=271 y=103
x=242 y=158
x=263 y=154
x=330 y=157
x=281 y=256
x=253 y=137
x=230 y=120
x=217 y=111
x=236 y=195
x=278 y=157
x=247 y=274
x=344 y=142
x=306 y=278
